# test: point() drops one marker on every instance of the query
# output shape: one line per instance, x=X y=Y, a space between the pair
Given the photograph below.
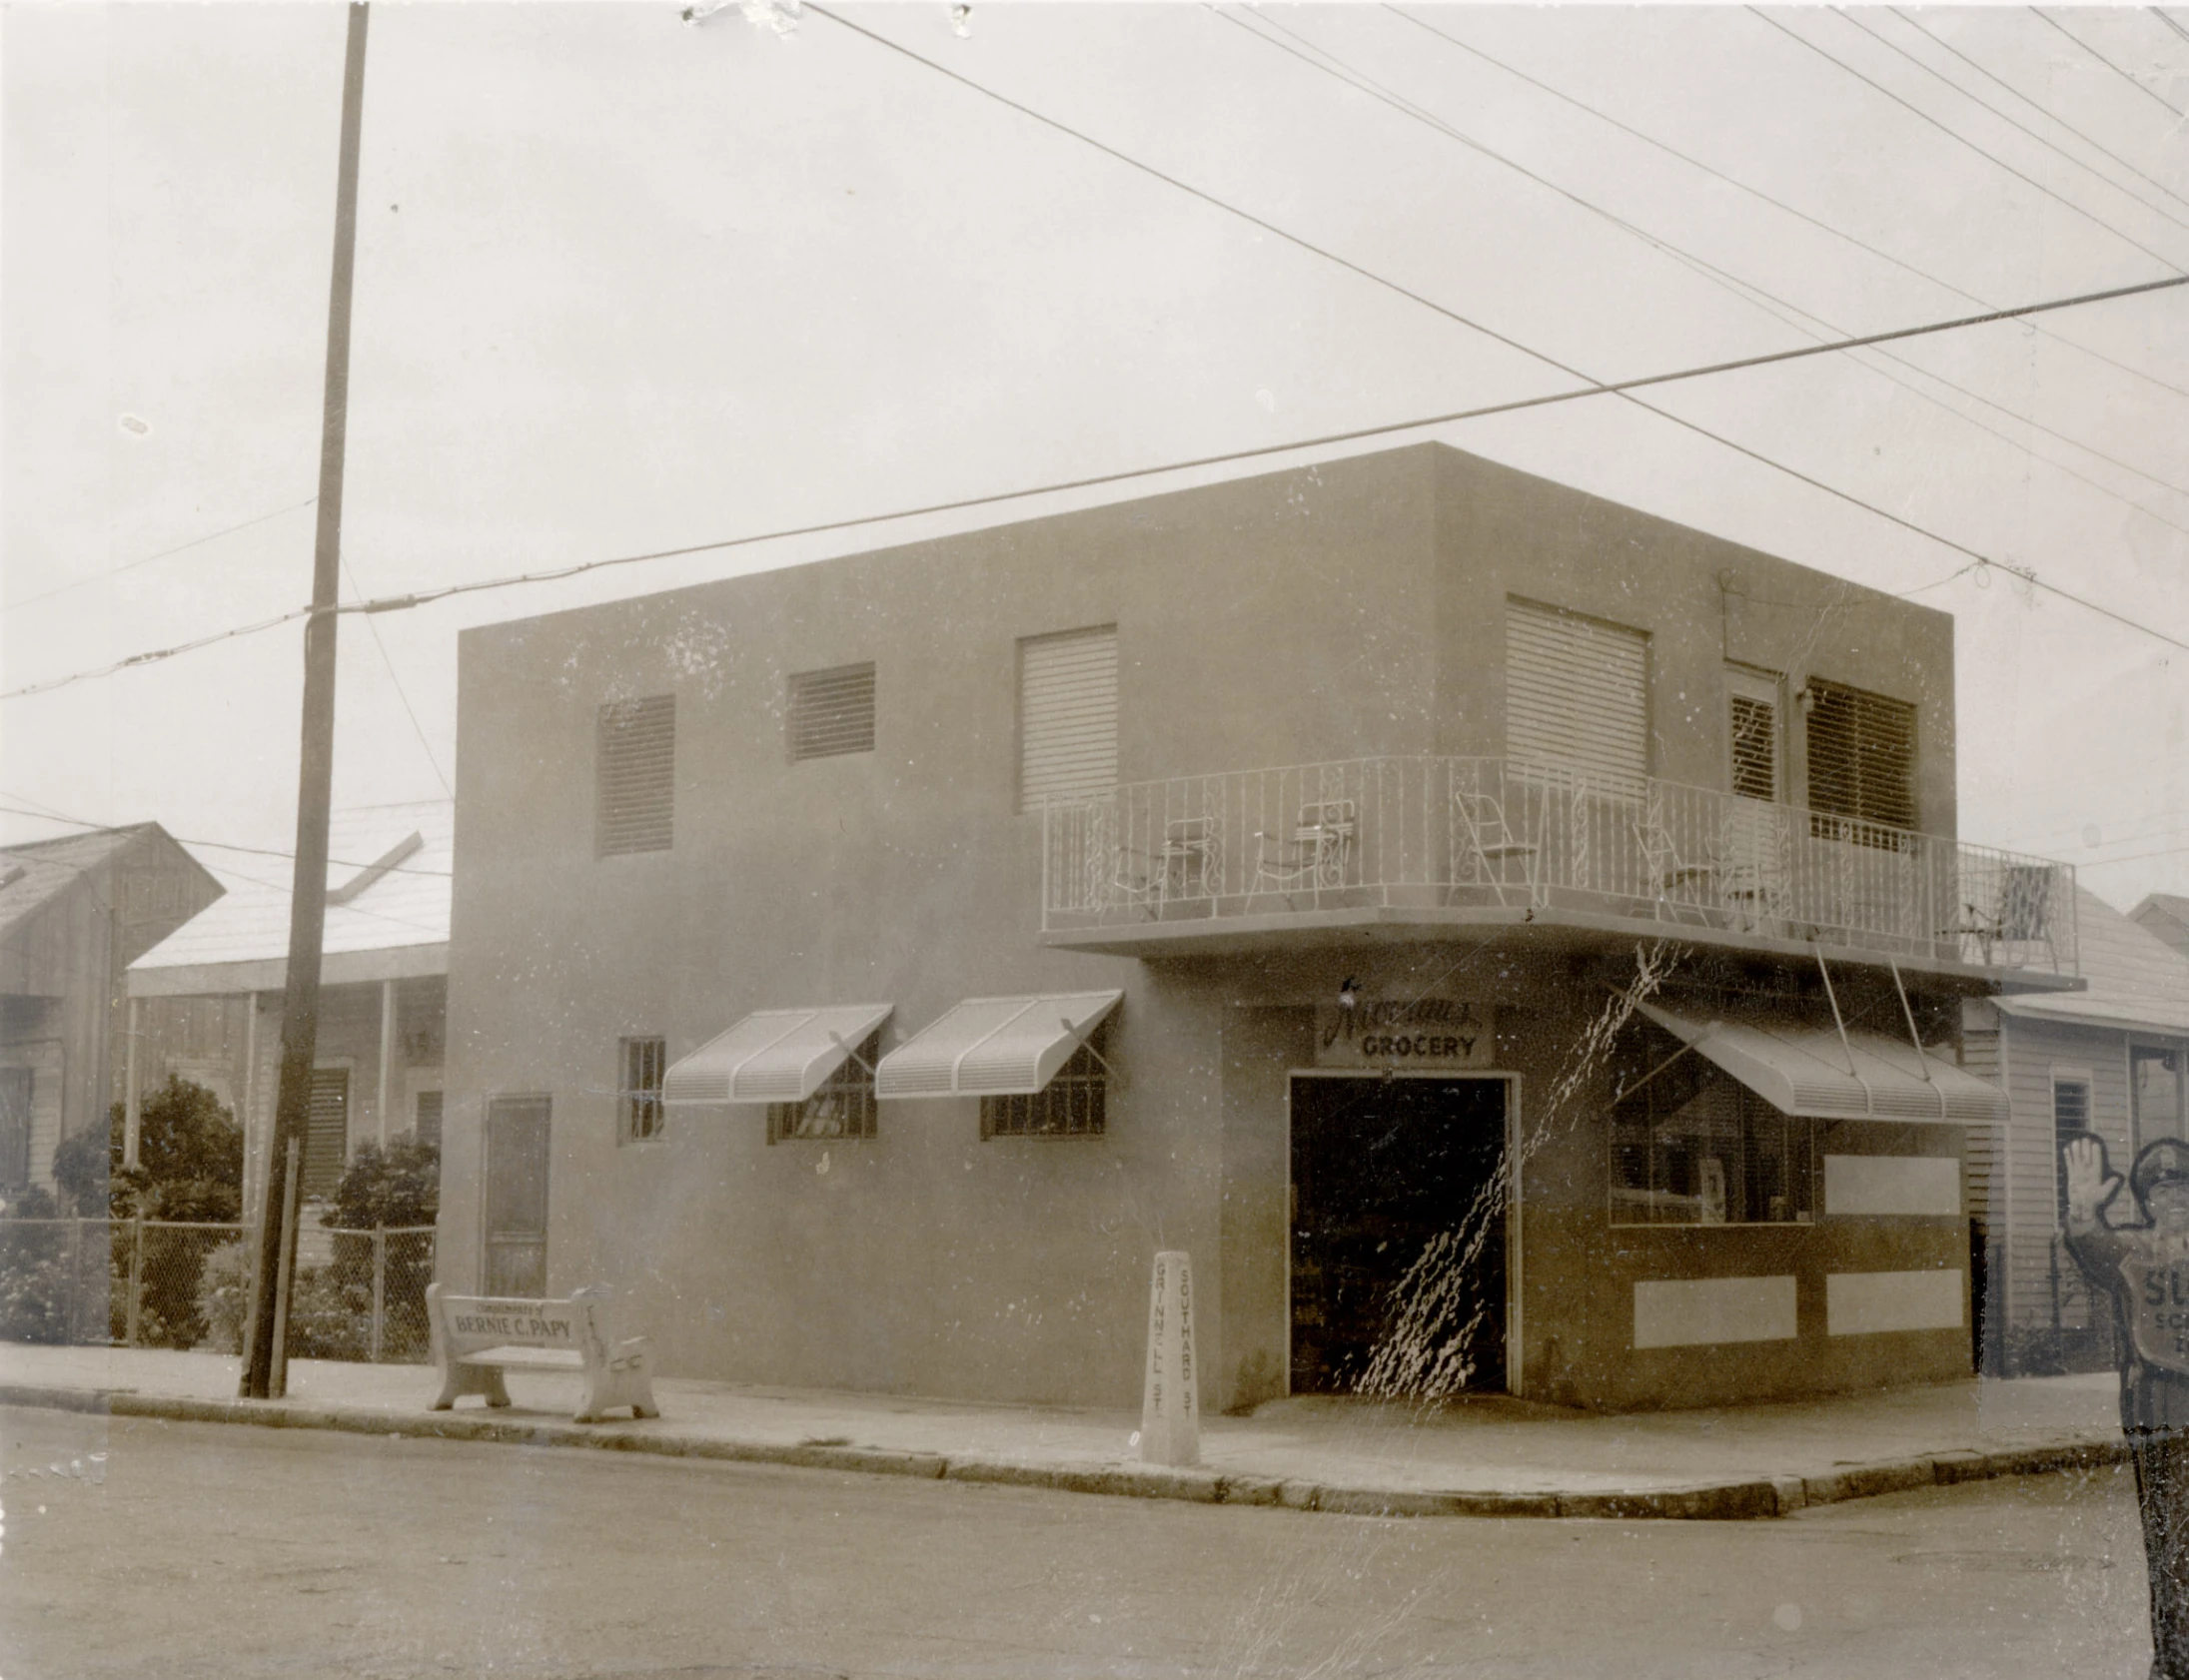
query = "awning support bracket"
x=866 y=1067
x=1869 y=1101
x=1621 y=1096
x=1922 y=1062
x=1086 y=1043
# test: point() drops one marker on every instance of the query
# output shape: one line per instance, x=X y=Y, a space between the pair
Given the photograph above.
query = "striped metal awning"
x=773 y=1055
x=1808 y=1069
x=994 y=1047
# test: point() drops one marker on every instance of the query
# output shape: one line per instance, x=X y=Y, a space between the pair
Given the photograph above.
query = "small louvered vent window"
x=832 y=712
x=635 y=783
x=1861 y=751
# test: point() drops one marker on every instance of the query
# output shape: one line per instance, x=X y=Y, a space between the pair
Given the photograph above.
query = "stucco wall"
x=1333 y=612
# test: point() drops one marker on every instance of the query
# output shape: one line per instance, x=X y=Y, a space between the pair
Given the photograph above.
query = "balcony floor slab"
x=1547 y=929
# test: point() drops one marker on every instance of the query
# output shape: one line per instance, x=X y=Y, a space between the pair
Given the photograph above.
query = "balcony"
x=1422 y=847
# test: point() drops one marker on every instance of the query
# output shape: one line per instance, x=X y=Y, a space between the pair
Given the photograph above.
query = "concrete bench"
x=477 y=1338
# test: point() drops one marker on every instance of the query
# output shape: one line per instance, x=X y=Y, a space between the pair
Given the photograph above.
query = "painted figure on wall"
x=2144 y=1271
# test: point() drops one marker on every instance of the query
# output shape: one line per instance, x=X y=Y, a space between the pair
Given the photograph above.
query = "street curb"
x=1728 y=1502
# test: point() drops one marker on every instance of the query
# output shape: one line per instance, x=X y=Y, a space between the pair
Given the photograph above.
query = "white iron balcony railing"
x=1454 y=834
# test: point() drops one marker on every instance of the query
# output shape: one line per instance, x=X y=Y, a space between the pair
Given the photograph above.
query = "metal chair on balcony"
x=2019 y=913
x=1490 y=847
x=1191 y=858
x=1316 y=854
x=1675 y=883
x=1187 y=864
x=1749 y=865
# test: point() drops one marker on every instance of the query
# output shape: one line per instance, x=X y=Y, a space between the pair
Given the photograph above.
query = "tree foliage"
x=189 y=1159
x=393 y=1184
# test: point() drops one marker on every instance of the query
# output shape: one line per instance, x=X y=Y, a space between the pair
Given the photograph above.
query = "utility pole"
x=264 y=1374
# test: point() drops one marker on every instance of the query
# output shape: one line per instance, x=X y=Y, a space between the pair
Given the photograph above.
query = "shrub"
x=34 y=1283
x=224 y=1297
x=392 y=1186
x=329 y=1317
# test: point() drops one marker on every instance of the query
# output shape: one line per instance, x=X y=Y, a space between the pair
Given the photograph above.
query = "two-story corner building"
x=209 y=997
x=1496 y=933
x=74 y=913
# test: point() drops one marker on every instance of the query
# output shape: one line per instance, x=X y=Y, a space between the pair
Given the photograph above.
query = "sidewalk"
x=1488 y=1456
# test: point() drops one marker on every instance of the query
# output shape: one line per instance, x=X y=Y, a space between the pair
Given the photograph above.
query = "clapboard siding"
x=2032 y=1051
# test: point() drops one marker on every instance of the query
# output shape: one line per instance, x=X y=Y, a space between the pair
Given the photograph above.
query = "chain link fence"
x=358 y=1295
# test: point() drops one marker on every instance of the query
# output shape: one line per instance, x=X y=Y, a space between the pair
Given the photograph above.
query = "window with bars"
x=831 y=712
x=643 y=1062
x=2070 y=1119
x=842 y=1107
x=636 y=775
x=1073 y=1104
x=1861 y=753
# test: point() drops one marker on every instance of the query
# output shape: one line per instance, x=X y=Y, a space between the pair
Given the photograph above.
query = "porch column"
x=252 y=1145
x=387 y=1057
x=131 y=1116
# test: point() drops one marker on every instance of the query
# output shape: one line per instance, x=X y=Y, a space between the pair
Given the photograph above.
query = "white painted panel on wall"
x=1864 y=1302
x=1693 y=1311
x=1893 y=1184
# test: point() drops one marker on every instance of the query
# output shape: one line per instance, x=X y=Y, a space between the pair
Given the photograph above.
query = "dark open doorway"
x=1379 y=1167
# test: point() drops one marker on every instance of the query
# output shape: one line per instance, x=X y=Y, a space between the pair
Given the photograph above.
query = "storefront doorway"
x=1381 y=1167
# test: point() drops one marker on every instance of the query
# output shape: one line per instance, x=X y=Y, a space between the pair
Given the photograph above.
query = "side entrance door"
x=1383 y=1173
x=517 y=1196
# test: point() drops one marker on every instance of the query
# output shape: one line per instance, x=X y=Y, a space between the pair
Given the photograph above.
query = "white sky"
x=624 y=283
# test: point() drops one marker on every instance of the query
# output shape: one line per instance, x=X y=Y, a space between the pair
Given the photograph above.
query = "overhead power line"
x=400 y=603
x=1915 y=23
x=1983 y=563
x=1621 y=388
x=1746 y=290
x=51 y=815
x=1992 y=158
x=1739 y=185
x=180 y=548
x=2163 y=104
x=2013 y=121
x=417 y=728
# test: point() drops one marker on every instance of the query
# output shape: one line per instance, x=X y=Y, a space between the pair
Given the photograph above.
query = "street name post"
x=1170 y=1409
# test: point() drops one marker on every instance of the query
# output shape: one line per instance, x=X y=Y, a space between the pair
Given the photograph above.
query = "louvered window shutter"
x=1067 y=716
x=1861 y=753
x=327 y=1132
x=1576 y=692
x=832 y=712
x=635 y=778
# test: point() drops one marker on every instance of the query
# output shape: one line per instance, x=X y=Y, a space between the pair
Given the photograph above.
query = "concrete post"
x=1170 y=1411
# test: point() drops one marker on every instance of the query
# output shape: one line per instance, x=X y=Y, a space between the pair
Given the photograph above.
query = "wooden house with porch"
x=209 y=997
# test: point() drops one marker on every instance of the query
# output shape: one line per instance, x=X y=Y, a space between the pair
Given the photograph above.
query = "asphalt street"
x=139 y=1547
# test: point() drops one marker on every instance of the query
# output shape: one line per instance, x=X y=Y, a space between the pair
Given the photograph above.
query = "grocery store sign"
x=1406 y=1033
